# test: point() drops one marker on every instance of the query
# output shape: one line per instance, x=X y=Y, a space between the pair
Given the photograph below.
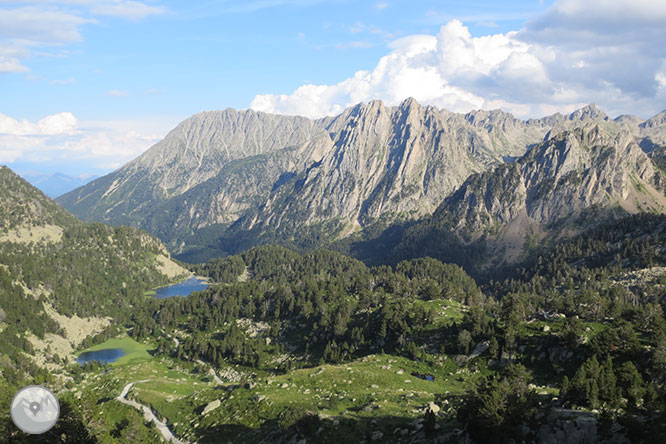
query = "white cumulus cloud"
x=11 y=64
x=438 y=70
x=62 y=136
x=62 y=123
x=576 y=52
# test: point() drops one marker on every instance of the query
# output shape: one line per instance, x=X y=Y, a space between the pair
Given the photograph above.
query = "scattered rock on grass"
x=432 y=407
x=211 y=406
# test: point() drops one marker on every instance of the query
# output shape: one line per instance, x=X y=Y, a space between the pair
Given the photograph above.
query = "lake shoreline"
x=134 y=351
x=103 y=356
x=183 y=288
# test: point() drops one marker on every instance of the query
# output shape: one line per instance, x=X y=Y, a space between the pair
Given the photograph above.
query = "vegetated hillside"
x=222 y=182
x=196 y=218
x=62 y=280
x=572 y=181
x=23 y=205
x=569 y=347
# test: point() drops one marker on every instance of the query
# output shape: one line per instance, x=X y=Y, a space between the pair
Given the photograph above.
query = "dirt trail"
x=148 y=414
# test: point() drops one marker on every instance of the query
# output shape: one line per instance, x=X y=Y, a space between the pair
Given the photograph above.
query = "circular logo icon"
x=35 y=409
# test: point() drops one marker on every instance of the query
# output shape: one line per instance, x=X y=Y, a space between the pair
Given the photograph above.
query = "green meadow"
x=135 y=352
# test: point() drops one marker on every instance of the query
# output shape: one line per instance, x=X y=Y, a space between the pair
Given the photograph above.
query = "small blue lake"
x=104 y=356
x=184 y=288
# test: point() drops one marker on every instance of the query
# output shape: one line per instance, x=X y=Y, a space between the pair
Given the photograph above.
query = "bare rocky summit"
x=585 y=173
x=232 y=179
x=394 y=160
x=200 y=148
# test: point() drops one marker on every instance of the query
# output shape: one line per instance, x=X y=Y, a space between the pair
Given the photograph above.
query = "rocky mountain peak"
x=588 y=112
x=628 y=119
x=656 y=121
x=197 y=150
x=587 y=168
x=359 y=114
x=576 y=150
x=411 y=112
x=247 y=172
x=409 y=103
x=488 y=116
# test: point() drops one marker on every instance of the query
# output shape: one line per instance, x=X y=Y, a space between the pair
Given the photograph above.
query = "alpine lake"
x=109 y=355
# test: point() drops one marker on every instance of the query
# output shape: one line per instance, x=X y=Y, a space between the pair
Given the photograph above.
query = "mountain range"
x=572 y=181
x=287 y=347
x=56 y=184
x=224 y=181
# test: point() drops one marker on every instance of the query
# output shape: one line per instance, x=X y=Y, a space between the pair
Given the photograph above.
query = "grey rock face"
x=654 y=129
x=197 y=150
x=279 y=174
x=576 y=170
x=394 y=160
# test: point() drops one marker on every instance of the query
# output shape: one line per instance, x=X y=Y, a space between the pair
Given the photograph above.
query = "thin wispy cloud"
x=362 y=28
x=117 y=93
x=257 y=5
x=67 y=81
x=356 y=44
x=131 y=10
x=434 y=17
x=29 y=26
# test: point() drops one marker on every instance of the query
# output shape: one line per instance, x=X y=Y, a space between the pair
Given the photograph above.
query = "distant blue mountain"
x=56 y=184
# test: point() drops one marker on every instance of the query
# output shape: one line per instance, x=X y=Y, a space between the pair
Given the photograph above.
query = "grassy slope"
x=376 y=387
x=377 y=393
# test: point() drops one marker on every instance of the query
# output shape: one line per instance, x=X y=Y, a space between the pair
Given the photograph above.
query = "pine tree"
x=592 y=369
x=608 y=383
x=631 y=381
x=493 y=347
x=464 y=341
x=566 y=386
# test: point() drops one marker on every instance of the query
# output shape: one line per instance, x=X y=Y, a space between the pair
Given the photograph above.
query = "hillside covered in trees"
x=61 y=280
x=569 y=345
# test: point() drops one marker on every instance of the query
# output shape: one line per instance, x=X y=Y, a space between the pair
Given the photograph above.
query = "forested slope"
x=62 y=280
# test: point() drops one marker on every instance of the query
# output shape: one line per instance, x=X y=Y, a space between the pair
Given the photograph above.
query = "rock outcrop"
x=572 y=172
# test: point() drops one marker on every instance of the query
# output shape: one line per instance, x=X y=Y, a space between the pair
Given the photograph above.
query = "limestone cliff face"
x=239 y=187
x=244 y=171
x=587 y=167
x=395 y=160
x=573 y=171
x=654 y=128
x=198 y=149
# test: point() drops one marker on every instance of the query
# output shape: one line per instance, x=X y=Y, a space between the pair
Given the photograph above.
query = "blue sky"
x=87 y=85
